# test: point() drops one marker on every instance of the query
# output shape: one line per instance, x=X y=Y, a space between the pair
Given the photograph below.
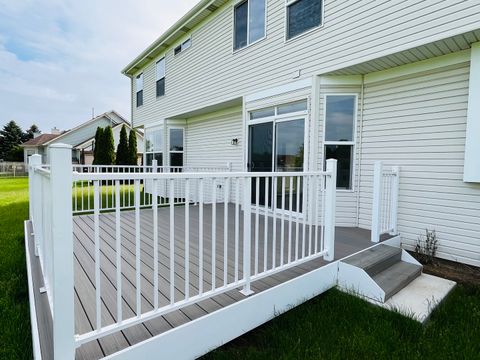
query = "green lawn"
x=333 y=325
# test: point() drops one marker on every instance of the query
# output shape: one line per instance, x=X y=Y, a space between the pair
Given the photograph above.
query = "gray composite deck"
x=347 y=242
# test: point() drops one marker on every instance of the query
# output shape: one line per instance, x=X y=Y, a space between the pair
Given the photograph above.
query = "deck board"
x=347 y=242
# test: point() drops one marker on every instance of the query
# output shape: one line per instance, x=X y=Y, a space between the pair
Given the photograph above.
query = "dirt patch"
x=460 y=273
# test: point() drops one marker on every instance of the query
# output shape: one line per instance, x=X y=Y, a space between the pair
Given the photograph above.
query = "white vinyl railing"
x=385 y=201
x=232 y=228
x=83 y=190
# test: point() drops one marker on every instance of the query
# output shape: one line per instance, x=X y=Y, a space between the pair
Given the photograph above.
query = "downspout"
x=359 y=157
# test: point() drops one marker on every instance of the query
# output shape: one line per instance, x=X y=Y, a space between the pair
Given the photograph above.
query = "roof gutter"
x=147 y=53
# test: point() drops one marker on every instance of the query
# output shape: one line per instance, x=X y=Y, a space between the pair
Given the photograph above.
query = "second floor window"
x=139 y=89
x=160 y=70
x=249 y=23
x=303 y=15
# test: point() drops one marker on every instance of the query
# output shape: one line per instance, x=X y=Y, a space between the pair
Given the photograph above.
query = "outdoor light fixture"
x=234 y=141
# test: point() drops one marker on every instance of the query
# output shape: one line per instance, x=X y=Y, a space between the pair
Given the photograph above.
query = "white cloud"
x=58 y=59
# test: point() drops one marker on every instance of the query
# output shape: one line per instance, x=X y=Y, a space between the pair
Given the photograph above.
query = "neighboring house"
x=81 y=138
x=358 y=81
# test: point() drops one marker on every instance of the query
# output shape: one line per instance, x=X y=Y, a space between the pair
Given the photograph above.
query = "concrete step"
x=375 y=260
x=396 y=277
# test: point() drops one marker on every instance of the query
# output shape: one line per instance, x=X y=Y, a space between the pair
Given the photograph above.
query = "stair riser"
x=383 y=264
x=403 y=284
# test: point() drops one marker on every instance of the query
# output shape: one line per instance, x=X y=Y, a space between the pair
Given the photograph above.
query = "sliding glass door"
x=277 y=145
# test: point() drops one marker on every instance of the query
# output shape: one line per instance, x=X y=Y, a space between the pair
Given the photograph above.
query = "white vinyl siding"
x=208 y=139
x=209 y=73
x=418 y=122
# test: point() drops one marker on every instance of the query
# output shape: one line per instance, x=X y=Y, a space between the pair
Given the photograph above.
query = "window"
x=293 y=107
x=176 y=148
x=183 y=46
x=339 y=134
x=249 y=23
x=139 y=89
x=154 y=146
x=303 y=15
x=160 y=68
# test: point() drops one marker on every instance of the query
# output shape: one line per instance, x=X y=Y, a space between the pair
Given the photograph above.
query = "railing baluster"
x=304 y=215
x=172 y=242
x=257 y=220
x=265 y=232
x=315 y=204
x=200 y=237
x=155 y=242
x=297 y=222
x=225 y=231
x=274 y=220
x=237 y=224
x=290 y=220
x=187 y=239
x=137 y=247
x=96 y=220
x=118 y=249
x=282 y=222
x=214 y=230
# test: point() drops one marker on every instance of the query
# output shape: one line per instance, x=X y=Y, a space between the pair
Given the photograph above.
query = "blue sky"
x=58 y=59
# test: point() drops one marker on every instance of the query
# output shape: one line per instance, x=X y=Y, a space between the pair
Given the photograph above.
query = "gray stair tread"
x=370 y=258
x=396 y=277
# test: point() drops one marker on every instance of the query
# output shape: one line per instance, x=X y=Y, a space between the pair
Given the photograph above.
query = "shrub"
x=426 y=247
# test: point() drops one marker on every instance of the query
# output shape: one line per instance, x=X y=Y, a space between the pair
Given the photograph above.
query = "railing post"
x=376 y=201
x=62 y=241
x=394 y=199
x=330 y=208
x=247 y=234
x=34 y=195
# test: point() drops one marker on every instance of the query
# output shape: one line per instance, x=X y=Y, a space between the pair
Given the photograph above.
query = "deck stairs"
x=379 y=272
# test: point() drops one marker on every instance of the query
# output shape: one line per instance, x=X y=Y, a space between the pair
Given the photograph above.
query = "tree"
x=132 y=147
x=30 y=133
x=97 y=147
x=109 y=146
x=11 y=135
x=122 y=148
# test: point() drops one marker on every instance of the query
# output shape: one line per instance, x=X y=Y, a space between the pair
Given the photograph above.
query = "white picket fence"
x=385 y=201
x=304 y=234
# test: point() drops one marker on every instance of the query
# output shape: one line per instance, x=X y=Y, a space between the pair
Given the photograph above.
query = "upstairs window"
x=340 y=115
x=139 y=88
x=303 y=15
x=249 y=23
x=183 y=46
x=160 y=69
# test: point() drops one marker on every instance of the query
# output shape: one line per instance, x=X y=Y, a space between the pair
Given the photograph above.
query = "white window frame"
x=162 y=149
x=352 y=143
x=248 y=26
x=176 y=127
x=291 y=2
x=182 y=46
x=164 y=75
x=137 y=90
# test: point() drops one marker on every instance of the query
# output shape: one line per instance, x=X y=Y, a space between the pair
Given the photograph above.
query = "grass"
x=333 y=325
x=15 y=338
x=336 y=325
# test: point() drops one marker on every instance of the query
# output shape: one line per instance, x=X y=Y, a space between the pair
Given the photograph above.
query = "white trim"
x=352 y=143
x=471 y=171
x=226 y=324
x=37 y=353
x=279 y=90
x=339 y=80
x=419 y=66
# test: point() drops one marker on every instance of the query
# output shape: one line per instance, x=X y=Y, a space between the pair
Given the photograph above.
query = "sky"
x=61 y=58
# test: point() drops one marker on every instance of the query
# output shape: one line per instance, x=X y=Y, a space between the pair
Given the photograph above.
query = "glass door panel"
x=289 y=156
x=260 y=157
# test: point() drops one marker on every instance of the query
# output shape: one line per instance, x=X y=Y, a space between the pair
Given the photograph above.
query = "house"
x=81 y=138
x=291 y=147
